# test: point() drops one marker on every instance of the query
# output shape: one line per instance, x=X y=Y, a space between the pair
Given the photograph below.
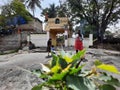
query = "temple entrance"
x=57 y=36
x=58 y=30
x=60 y=40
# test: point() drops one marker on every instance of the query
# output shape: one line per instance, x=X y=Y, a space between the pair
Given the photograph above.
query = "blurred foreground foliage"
x=66 y=72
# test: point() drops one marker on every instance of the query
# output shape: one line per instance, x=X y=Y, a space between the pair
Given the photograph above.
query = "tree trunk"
x=102 y=31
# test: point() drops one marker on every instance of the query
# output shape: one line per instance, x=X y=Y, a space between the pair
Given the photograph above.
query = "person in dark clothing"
x=31 y=45
x=49 y=44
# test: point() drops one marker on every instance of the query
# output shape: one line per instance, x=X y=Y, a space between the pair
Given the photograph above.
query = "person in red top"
x=79 y=45
x=78 y=42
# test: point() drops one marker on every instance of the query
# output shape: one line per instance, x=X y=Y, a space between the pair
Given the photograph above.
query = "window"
x=57 y=21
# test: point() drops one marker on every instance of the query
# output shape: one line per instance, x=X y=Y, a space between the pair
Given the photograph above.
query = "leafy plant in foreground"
x=65 y=73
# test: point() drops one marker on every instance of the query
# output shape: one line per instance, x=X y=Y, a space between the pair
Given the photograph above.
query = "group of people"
x=78 y=43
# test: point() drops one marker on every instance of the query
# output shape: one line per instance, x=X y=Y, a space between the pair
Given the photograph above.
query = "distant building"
x=21 y=30
x=35 y=26
x=56 y=27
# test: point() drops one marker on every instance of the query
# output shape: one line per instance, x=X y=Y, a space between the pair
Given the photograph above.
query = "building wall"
x=34 y=26
x=10 y=42
x=40 y=40
x=55 y=28
x=86 y=41
x=51 y=23
x=37 y=26
x=13 y=41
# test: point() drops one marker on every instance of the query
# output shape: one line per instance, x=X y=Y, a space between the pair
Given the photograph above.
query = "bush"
x=65 y=72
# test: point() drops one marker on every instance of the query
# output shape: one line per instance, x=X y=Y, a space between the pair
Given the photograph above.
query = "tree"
x=32 y=5
x=6 y=10
x=19 y=9
x=98 y=13
x=54 y=11
x=50 y=12
x=15 y=8
x=2 y=20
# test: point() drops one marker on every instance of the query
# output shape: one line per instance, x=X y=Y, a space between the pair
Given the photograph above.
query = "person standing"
x=79 y=45
x=78 y=42
x=49 y=44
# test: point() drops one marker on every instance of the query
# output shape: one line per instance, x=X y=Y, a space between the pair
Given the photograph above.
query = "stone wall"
x=9 y=42
x=12 y=42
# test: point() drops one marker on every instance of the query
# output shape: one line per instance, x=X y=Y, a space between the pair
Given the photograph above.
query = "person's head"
x=50 y=39
x=79 y=34
x=30 y=42
x=52 y=46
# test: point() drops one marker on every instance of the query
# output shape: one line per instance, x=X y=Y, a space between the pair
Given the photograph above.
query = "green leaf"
x=76 y=70
x=56 y=68
x=62 y=63
x=104 y=77
x=79 y=55
x=79 y=83
x=114 y=81
x=109 y=79
x=54 y=60
x=44 y=68
x=57 y=76
x=97 y=62
x=107 y=87
x=68 y=59
x=109 y=68
x=37 y=72
x=37 y=87
x=44 y=76
x=66 y=56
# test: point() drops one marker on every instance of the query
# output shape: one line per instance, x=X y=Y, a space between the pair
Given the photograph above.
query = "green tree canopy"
x=54 y=11
x=2 y=20
x=32 y=4
x=19 y=9
x=15 y=8
x=98 y=13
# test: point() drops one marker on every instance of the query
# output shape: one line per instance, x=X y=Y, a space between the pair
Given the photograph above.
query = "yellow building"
x=57 y=26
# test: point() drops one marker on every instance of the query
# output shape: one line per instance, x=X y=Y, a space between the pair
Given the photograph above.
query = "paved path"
x=23 y=59
x=15 y=68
